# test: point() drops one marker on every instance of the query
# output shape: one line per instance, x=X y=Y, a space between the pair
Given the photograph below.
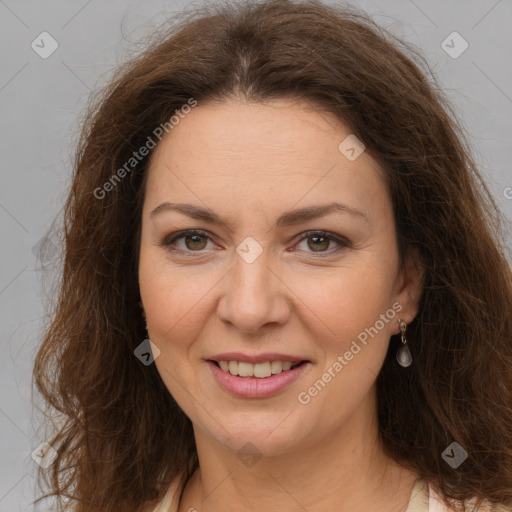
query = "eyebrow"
x=286 y=219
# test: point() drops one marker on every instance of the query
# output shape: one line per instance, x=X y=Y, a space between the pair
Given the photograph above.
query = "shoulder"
x=436 y=504
x=171 y=499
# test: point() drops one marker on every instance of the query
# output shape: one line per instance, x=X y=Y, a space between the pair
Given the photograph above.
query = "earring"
x=403 y=354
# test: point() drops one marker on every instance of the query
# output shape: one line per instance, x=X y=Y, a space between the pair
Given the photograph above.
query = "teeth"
x=276 y=367
x=262 y=370
x=244 y=369
x=259 y=370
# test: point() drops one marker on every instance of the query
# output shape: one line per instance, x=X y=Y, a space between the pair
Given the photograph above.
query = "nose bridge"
x=253 y=295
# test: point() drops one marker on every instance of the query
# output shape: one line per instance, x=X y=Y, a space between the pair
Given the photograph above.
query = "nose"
x=254 y=296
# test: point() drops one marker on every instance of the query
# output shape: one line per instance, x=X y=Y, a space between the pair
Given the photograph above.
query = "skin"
x=250 y=163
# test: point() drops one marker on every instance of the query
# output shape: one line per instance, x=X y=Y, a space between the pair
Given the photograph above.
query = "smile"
x=256 y=380
x=259 y=370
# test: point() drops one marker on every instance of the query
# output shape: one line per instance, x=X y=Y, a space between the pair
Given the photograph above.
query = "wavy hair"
x=121 y=437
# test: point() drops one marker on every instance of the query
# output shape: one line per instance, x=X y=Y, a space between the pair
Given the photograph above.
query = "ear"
x=409 y=287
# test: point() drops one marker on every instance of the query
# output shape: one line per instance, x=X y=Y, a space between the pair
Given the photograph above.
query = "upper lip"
x=256 y=358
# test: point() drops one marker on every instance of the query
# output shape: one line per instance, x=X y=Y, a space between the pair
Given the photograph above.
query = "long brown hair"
x=122 y=438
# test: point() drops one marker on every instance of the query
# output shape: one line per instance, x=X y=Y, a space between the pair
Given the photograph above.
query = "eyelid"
x=343 y=243
x=179 y=234
x=173 y=237
x=340 y=240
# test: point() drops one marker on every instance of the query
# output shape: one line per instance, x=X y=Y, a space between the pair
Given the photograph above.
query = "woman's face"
x=253 y=285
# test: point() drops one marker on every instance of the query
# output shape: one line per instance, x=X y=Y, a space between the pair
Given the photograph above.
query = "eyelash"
x=169 y=241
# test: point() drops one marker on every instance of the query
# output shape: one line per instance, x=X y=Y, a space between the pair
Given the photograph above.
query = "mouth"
x=264 y=379
x=261 y=370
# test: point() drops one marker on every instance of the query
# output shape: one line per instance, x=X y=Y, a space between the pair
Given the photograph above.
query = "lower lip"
x=253 y=387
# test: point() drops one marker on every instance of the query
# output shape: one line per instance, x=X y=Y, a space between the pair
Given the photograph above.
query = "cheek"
x=347 y=300
x=174 y=305
x=171 y=308
x=176 y=300
x=352 y=337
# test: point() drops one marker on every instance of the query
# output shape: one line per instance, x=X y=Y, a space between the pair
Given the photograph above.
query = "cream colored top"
x=423 y=499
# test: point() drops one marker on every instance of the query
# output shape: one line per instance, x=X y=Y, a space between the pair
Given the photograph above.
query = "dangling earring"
x=403 y=354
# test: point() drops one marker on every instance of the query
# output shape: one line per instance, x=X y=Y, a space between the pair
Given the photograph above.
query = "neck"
x=346 y=471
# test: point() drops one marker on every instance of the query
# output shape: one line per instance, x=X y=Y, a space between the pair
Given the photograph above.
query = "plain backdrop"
x=42 y=101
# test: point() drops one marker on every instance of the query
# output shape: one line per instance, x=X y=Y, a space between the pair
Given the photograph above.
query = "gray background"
x=42 y=100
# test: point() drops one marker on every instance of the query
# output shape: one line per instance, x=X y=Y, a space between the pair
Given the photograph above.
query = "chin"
x=261 y=436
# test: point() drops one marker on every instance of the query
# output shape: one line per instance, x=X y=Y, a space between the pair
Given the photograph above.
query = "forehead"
x=273 y=132
x=237 y=153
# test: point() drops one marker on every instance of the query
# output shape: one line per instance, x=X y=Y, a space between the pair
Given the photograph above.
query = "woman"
x=284 y=283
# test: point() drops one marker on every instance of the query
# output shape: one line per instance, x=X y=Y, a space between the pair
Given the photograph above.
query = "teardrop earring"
x=403 y=354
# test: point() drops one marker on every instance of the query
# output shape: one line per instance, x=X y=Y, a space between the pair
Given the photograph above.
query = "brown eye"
x=194 y=241
x=197 y=242
x=320 y=241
